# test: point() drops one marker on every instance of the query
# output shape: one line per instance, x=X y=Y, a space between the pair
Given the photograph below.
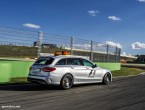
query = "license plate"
x=36 y=70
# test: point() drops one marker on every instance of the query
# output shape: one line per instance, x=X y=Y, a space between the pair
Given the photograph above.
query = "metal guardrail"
x=25 y=43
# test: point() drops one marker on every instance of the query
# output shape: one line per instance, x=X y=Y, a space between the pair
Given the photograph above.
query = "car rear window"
x=44 y=61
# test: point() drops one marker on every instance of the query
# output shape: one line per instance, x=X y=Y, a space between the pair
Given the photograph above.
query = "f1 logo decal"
x=92 y=73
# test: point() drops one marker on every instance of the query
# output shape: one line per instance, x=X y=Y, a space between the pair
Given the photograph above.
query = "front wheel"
x=66 y=82
x=106 y=79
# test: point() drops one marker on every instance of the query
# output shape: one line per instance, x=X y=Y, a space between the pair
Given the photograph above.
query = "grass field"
x=12 y=51
x=31 y=52
x=23 y=51
x=127 y=72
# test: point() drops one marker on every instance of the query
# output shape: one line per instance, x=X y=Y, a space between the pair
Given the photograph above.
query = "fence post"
x=107 y=57
x=71 y=44
x=119 y=55
x=116 y=54
x=91 y=51
x=40 y=37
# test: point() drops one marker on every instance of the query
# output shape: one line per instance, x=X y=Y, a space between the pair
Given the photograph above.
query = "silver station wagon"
x=67 y=71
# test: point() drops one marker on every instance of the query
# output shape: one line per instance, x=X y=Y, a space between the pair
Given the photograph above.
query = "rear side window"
x=61 y=62
x=74 y=61
x=44 y=61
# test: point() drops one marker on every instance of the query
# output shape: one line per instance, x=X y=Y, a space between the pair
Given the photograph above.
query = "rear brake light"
x=48 y=69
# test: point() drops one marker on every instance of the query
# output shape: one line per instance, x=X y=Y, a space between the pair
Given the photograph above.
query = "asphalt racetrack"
x=126 y=93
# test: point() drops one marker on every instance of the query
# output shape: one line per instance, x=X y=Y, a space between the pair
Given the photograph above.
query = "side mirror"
x=94 y=66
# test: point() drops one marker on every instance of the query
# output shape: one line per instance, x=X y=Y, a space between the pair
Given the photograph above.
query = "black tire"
x=106 y=79
x=66 y=82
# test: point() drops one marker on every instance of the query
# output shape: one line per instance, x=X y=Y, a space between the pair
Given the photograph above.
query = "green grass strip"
x=127 y=72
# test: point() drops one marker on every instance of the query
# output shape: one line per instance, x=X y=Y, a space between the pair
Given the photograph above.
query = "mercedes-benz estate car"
x=67 y=71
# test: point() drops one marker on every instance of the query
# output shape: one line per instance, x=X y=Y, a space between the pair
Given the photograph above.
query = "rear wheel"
x=66 y=82
x=106 y=79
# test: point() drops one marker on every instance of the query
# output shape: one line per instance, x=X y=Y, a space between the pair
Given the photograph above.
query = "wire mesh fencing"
x=19 y=43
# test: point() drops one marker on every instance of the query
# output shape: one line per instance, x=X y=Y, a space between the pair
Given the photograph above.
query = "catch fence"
x=20 y=43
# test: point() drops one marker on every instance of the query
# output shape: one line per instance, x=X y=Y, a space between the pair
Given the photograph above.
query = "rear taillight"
x=48 y=69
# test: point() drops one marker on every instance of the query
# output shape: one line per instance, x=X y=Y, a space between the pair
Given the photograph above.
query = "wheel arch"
x=69 y=85
x=68 y=74
x=109 y=74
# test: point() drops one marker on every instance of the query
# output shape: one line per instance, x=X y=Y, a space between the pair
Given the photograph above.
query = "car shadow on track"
x=37 y=87
x=27 y=87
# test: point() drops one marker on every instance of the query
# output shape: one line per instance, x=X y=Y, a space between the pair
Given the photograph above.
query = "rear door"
x=77 y=69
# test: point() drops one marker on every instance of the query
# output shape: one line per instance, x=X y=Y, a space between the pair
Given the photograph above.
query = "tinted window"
x=87 y=63
x=44 y=60
x=61 y=62
x=73 y=61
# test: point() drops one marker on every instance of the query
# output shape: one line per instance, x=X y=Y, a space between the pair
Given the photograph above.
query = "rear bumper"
x=42 y=80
